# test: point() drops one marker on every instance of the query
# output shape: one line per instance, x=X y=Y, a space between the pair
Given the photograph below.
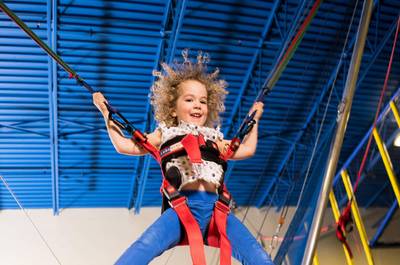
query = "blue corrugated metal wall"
x=115 y=45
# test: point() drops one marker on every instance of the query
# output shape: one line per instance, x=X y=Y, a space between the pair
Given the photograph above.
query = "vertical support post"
x=344 y=113
x=336 y=214
x=53 y=107
x=357 y=217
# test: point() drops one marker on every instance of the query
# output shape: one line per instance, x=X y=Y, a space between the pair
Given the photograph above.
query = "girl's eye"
x=188 y=100
x=203 y=102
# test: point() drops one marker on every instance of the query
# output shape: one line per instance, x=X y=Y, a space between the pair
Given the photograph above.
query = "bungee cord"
x=282 y=63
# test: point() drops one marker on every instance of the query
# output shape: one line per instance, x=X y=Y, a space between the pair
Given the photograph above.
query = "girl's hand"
x=259 y=107
x=98 y=101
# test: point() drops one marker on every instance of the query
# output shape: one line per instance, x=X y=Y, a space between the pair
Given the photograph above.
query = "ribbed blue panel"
x=113 y=46
x=24 y=118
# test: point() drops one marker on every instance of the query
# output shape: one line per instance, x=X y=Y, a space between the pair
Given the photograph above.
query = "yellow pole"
x=388 y=164
x=395 y=112
x=357 y=217
x=315 y=259
x=336 y=214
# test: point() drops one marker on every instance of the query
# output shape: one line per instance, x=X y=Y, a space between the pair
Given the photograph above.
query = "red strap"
x=221 y=215
x=191 y=145
x=201 y=140
x=213 y=235
x=217 y=230
x=230 y=151
x=342 y=238
x=141 y=139
x=217 y=236
x=341 y=227
x=192 y=229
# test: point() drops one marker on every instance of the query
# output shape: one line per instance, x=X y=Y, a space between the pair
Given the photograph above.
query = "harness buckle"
x=174 y=198
x=171 y=193
x=177 y=202
x=222 y=207
x=224 y=202
x=225 y=198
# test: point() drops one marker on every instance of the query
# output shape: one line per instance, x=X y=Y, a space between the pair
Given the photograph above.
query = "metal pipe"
x=53 y=114
x=276 y=74
x=343 y=117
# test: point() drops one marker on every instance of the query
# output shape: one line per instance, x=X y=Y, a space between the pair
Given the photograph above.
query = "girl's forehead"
x=192 y=87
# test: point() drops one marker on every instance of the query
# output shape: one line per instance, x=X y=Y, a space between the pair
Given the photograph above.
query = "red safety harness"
x=344 y=226
x=216 y=236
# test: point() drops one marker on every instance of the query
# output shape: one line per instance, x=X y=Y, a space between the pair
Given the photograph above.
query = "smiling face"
x=191 y=105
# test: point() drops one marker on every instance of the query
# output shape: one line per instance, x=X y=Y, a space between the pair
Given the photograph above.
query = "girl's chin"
x=198 y=122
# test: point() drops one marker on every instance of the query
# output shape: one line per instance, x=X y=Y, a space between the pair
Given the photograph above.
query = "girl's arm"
x=122 y=144
x=249 y=144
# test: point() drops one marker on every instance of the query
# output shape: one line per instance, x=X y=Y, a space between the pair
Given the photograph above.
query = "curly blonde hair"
x=165 y=90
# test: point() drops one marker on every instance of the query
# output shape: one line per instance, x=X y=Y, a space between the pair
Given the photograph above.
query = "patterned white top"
x=208 y=171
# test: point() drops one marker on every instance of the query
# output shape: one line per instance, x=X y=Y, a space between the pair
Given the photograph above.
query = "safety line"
x=29 y=218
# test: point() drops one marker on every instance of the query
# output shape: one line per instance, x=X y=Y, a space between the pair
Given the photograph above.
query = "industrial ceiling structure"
x=54 y=149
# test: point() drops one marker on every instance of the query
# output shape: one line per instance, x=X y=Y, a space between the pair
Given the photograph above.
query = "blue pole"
x=53 y=107
x=389 y=215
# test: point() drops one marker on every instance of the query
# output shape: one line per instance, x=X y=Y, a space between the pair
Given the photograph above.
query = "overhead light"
x=397 y=140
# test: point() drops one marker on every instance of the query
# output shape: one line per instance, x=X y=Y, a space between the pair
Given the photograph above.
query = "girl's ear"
x=173 y=114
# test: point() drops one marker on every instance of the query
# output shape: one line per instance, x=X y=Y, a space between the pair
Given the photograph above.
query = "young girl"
x=187 y=100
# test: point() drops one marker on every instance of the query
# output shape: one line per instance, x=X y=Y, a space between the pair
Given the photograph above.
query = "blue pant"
x=165 y=233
